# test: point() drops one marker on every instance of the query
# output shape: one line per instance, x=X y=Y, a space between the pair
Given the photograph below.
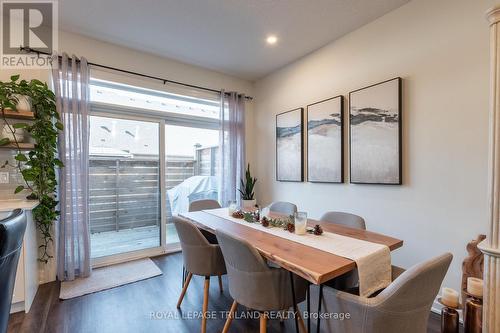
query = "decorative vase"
x=23 y=103
x=449 y=320
x=473 y=310
x=248 y=204
x=449 y=314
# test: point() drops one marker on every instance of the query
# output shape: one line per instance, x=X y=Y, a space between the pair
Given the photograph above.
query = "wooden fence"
x=125 y=193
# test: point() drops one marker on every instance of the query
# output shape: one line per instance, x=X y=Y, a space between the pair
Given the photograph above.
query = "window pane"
x=192 y=166
x=124 y=186
x=125 y=95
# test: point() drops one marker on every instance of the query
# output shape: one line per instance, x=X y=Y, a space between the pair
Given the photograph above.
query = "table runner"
x=373 y=260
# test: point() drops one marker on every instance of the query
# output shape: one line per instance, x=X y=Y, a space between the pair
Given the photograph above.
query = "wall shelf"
x=22 y=146
x=19 y=114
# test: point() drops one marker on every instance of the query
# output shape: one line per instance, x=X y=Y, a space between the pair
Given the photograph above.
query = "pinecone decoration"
x=318 y=230
x=265 y=222
x=290 y=227
x=238 y=214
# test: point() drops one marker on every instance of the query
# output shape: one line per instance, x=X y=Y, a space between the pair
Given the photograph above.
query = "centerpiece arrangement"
x=285 y=222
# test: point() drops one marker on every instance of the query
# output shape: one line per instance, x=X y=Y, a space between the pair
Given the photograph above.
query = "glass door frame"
x=162 y=248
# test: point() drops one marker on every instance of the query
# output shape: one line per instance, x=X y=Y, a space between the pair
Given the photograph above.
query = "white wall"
x=124 y=58
x=440 y=49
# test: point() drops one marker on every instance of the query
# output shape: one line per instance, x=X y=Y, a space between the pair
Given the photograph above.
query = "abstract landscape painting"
x=325 y=141
x=375 y=133
x=289 y=146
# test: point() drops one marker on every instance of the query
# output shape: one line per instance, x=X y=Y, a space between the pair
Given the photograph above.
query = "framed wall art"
x=289 y=146
x=375 y=134
x=325 y=148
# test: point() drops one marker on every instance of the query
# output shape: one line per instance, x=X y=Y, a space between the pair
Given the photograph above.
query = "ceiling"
x=223 y=35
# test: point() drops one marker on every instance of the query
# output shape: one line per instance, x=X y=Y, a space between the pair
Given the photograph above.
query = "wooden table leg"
x=230 y=317
x=205 y=304
x=183 y=292
x=301 y=323
x=263 y=322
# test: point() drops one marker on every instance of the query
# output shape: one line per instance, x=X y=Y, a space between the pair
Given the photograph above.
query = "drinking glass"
x=264 y=212
x=232 y=207
x=300 y=223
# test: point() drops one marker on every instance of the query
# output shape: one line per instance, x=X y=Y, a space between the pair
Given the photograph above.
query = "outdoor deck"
x=125 y=240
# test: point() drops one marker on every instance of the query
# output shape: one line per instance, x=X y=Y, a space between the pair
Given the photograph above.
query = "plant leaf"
x=20 y=125
x=14 y=77
x=21 y=157
x=4 y=141
x=58 y=163
x=18 y=189
x=59 y=126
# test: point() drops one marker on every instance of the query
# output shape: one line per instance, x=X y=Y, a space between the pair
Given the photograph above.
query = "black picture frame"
x=279 y=177
x=341 y=143
x=399 y=155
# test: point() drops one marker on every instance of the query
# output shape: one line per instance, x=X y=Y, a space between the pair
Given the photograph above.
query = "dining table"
x=314 y=265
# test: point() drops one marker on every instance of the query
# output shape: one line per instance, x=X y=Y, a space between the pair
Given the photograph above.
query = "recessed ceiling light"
x=271 y=39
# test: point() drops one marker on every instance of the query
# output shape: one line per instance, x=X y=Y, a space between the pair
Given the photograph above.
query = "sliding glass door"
x=152 y=152
x=191 y=170
x=126 y=196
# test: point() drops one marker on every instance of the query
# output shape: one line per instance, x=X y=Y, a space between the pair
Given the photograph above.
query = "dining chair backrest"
x=12 y=231
x=417 y=287
x=346 y=219
x=403 y=306
x=200 y=257
x=252 y=282
x=240 y=255
x=283 y=207
x=198 y=205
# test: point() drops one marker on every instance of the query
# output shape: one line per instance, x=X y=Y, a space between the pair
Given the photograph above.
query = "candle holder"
x=473 y=313
x=449 y=318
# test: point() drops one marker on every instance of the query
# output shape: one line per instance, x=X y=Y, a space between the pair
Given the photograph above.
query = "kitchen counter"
x=26 y=284
x=11 y=204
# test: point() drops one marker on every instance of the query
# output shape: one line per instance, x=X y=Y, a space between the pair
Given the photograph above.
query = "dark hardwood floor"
x=144 y=306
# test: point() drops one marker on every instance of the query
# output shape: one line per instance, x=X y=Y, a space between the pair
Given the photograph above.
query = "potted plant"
x=37 y=165
x=247 y=190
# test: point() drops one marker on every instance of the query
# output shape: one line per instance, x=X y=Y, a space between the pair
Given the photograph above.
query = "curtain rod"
x=165 y=81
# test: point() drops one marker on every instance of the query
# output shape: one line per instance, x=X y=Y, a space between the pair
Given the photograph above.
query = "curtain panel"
x=71 y=84
x=232 y=146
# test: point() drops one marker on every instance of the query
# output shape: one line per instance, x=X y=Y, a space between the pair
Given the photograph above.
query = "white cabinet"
x=27 y=279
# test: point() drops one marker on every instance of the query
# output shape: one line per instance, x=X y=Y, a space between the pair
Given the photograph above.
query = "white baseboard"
x=17 y=307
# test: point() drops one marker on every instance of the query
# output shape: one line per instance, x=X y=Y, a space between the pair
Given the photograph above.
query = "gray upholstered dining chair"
x=350 y=279
x=257 y=286
x=346 y=219
x=403 y=306
x=200 y=258
x=203 y=204
x=12 y=231
x=283 y=207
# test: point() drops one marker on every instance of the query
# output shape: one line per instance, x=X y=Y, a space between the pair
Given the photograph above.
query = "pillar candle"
x=449 y=297
x=475 y=286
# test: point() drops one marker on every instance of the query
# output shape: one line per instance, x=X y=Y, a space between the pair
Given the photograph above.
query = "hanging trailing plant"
x=38 y=165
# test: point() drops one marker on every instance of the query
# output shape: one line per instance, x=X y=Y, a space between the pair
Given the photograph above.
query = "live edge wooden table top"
x=314 y=265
